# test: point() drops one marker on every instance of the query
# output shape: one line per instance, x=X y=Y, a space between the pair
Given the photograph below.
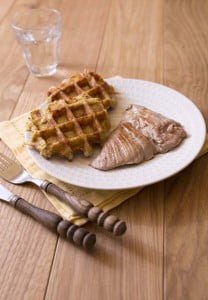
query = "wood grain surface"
x=186 y=206
x=164 y=253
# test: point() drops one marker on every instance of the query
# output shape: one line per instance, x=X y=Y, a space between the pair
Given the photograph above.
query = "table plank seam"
x=18 y=97
x=163 y=233
x=51 y=267
x=103 y=35
x=8 y=11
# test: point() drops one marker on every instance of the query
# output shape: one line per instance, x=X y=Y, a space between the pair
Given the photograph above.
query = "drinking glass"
x=38 y=30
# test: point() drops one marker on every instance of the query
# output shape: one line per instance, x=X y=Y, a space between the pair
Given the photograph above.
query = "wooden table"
x=164 y=253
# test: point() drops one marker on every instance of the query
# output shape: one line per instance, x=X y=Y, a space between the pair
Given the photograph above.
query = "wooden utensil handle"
x=86 y=209
x=54 y=222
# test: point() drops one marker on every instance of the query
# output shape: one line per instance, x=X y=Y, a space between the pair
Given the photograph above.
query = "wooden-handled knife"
x=52 y=221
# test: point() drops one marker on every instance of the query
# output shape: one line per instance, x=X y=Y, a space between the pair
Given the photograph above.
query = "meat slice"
x=164 y=133
x=125 y=146
x=140 y=134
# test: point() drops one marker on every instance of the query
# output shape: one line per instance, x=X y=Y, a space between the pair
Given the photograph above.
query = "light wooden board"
x=186 y=206
x=164 y=253
x=13 y=72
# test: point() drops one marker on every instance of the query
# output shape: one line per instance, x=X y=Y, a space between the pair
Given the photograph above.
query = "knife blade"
x=5 y=194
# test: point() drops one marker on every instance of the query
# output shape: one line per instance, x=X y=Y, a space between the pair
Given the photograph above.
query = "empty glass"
x=38 y=31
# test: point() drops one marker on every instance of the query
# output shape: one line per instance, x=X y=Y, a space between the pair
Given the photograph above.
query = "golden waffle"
x=63 y=129
x=89 y=84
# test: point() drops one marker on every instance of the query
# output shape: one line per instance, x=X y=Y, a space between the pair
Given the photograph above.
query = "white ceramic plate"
x=157 y=97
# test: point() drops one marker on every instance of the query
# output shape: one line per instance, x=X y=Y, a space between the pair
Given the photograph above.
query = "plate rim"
x=29 y=149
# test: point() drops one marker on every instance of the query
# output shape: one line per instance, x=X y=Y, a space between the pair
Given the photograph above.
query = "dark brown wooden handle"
x=54 y=222
x=86 y=209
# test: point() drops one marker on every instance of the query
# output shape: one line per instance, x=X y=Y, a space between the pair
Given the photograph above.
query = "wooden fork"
x=14 y=173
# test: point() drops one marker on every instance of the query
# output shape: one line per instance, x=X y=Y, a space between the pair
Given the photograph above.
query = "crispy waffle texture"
x=64 y=128
x=88 y=84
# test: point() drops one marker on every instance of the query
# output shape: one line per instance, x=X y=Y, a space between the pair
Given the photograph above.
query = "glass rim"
x=56 y=12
